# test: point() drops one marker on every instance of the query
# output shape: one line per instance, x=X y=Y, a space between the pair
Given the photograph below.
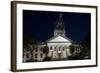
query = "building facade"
x=58 y=45
x=37 y=54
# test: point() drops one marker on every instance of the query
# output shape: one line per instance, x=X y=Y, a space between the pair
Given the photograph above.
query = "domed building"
x=59 y=44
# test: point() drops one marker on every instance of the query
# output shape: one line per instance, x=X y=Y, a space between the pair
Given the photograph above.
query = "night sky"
x=40 y=24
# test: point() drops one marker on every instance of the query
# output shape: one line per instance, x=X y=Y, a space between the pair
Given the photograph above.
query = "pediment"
x=59 y=39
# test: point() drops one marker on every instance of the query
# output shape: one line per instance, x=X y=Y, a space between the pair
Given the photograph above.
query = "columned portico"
x=58 y=50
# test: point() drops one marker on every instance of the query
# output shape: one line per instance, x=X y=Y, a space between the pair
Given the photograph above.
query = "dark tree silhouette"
x=29 y=44
x=72 y=48
x=86 y=44
x=46 y=51
x=29 y=40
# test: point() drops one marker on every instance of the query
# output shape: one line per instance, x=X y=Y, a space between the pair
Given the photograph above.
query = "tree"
x=29 y=40
x=46 y=51
x=86 y=44
x=75 y=52
x=29 y=44
x=72 y=48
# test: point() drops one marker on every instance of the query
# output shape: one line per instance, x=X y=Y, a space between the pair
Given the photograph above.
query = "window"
x=63 y=48
x=55 y=48
x=41 y=55
x=59 y=33
x=59 y=48
x=36 y=49
x=35 y=55
x=59 y=55
x=50 y=48
x=41 y=49
x=27 y=55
